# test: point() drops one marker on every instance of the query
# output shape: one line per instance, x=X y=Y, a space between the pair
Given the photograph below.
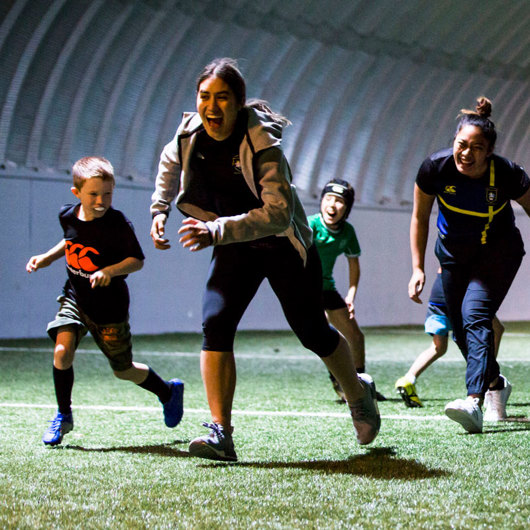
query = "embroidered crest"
x=236 y=164
x=491 y=195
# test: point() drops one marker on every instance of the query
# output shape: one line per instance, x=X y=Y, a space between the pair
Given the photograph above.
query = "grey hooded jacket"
x=281 y=213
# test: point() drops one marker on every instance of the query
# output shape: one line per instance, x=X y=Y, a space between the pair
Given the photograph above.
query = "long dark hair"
x=227 y=69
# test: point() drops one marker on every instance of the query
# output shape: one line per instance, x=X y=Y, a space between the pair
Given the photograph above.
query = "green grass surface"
x=299 y=465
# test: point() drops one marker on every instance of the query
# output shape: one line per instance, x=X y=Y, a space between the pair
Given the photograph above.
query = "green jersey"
x=331 y=244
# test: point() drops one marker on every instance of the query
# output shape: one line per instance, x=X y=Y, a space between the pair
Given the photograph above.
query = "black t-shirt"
x=216 y=169
x=472 y=209
x=91 y=246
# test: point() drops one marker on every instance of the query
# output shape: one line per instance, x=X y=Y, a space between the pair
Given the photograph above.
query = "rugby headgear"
x=341 y=189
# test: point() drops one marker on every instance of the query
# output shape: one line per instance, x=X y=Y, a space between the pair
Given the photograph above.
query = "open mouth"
x=467 y=164
x=329 y=217
x=215 y=123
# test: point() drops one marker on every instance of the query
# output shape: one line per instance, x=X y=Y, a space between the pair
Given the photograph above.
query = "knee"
x=498 y=327
x=63 y=356
x=356 y=331
x=473 y=320
x=440 y=350
x=360 y=337
x=324 y=344
x=218 y=335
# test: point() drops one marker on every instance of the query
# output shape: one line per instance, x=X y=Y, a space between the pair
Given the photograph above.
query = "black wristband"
x=154 y=214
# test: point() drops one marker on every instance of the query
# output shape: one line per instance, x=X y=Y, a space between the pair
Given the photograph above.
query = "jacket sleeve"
x=273 y=183
x=167 y=179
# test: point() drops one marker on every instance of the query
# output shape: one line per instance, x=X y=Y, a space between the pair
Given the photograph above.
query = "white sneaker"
x=466 y=412
x=495 y=402
x=365 y=412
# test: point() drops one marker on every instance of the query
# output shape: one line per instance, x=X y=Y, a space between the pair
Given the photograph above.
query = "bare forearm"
x=354 y=274
x=56 y=252
x=127 y=266
x=419 y=235
x=419 y=227
x=44 y=260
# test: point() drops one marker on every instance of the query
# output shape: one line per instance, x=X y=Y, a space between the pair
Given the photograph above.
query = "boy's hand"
x=157 y=232
x=350 y=302
x=100 y=278
x=37 y=262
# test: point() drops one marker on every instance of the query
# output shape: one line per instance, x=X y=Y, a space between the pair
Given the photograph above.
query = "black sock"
x=155 y=384
x=361 y=369
x=63 y=381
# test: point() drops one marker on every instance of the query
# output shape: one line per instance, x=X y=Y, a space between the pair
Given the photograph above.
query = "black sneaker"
x=217 y=445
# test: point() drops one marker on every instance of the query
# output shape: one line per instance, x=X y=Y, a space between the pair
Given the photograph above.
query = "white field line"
x=271 y=356
x=154 y=353
x=421 y=332
x=285 y=414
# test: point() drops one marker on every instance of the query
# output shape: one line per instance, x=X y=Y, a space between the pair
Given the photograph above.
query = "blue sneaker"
x=217 y=445
x=60 y=425
x=174 y=408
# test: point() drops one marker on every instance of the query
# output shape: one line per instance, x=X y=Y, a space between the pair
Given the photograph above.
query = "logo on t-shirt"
x=450 y=190
x=79 y=257
x=491 y=195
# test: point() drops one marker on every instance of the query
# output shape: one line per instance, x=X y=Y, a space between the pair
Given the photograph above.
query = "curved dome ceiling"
x=371 y=87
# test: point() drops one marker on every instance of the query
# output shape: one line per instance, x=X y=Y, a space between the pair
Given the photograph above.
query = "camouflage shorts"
x=114 y=339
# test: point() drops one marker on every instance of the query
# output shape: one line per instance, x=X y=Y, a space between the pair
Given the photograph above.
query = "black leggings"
x=235 y=274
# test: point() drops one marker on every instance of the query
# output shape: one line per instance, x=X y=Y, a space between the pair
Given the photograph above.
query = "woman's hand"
x=196 y=235
x=157 y=232
x=416 y=284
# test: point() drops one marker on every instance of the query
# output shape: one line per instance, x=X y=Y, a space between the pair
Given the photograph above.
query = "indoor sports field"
x=299 y=465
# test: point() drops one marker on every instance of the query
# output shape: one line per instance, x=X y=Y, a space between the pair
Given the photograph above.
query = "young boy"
x=438 y=326
x=101 y=249
x=334 y=236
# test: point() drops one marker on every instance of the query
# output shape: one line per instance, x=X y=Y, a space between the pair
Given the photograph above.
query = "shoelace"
x=215 y=428
x=56 y=424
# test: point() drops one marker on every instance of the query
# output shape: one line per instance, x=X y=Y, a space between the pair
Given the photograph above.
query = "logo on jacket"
x=79 y=257
x=236 y=164
x=450 y=190
x=491 y=195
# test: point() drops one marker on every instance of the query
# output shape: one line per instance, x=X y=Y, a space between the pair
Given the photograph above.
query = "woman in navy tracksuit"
x=479 y=248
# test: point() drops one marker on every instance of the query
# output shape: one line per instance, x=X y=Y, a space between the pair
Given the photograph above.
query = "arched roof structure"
x=371 y=87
